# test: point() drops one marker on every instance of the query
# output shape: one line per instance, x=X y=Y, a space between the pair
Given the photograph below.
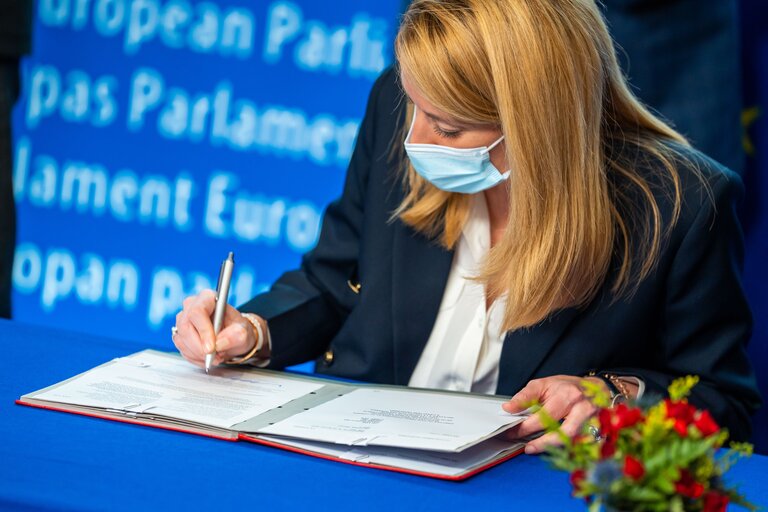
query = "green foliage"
x=595 y=392
x=736 y=452
x=673 y=458
x=681 y=388
x=551 y=425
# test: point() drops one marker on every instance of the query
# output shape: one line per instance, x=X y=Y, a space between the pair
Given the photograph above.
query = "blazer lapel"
x=525 y=350
x=420 y=270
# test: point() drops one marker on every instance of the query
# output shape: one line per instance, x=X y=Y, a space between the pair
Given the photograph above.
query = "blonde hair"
x=586 y=156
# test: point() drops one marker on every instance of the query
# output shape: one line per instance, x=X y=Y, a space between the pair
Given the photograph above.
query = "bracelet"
x=616 y=387
x=620 y=385
x=254 y=321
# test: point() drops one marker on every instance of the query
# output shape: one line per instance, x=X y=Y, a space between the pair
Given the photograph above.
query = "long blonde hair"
x=586 y=156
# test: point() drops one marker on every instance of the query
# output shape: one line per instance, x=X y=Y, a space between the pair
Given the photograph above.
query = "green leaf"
x=595 y=392
x=681 y=388
x=676 y=504
x=664 y=480
x=643 y=494
x=552 y=425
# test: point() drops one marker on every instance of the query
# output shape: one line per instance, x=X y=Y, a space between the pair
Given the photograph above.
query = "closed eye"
x=445 y=134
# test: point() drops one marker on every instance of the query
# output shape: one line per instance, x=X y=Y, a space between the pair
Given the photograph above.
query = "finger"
x=201 y=321
x=187 y=340
x=539 y=444
x=526 y=428
x=559 y=398
x=199 y=314
x=578 y=414
x=185 y=352
x=532 y=391
x=226 y=344
x=234 y=340
x=206 y=299
x=232 y=315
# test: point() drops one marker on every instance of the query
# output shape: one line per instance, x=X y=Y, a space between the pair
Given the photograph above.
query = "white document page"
x=439 y=463
x=162 y=385
x=399 y=418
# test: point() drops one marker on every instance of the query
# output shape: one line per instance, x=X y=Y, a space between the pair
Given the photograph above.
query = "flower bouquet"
x=656 y=457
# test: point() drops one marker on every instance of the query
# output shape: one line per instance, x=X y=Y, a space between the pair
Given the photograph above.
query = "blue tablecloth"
x=60 y=461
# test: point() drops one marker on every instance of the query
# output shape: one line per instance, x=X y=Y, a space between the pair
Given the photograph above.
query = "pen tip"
x=231 y=256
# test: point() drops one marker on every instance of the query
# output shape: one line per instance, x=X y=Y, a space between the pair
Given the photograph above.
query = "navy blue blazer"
x=689 y=317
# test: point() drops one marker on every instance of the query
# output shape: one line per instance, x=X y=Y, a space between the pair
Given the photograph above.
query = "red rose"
x=605 y=417
x=627 y=417
x=715 y=502
x=633 y=468
x=620 y=417
x=680 y=411
x=608 y=448
x=577 y=477
x=687 y=486
x=681 y=427
x=706 y=424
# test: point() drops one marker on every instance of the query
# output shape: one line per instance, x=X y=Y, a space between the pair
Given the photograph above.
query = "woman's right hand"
x=194 y=331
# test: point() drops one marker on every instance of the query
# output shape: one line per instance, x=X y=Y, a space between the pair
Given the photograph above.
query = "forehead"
x=415 y=95
x=425 y=106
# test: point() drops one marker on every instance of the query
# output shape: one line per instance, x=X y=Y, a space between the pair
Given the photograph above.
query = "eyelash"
x=443 y=133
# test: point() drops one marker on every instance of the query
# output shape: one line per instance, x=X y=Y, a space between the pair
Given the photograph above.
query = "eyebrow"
x=441 y=120
x=433 y=116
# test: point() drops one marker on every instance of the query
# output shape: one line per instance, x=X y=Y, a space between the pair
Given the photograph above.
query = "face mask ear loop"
x=504 y=175
x=495 y=143
x=413 y=122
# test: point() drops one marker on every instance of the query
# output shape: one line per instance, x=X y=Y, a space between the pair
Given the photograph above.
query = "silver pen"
x=222 y=293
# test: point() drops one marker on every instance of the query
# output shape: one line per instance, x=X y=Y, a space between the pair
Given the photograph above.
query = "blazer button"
x=328 y=357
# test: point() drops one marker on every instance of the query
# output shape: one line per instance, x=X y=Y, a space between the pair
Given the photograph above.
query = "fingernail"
x=530 y=449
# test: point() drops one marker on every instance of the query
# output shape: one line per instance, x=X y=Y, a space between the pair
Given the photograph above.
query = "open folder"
x=433 y=433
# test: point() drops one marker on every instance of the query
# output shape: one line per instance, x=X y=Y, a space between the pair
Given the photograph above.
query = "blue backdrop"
x=154 y=136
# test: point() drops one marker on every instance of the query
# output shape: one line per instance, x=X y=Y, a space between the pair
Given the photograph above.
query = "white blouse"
x=464 y=349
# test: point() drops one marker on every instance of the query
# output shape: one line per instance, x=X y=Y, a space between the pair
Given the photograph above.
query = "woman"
x=540 y=226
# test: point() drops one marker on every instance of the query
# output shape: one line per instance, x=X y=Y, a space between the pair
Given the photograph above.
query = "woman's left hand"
x=562 y=397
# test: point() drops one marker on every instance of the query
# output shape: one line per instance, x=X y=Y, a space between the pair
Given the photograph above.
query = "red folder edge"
x=246 y=437
x=459 y=478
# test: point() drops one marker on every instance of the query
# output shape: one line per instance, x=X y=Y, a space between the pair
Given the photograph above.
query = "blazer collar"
x=524 y=350
x=420 y=269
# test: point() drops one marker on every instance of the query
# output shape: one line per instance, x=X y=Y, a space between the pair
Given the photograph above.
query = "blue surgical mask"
x=466 y=171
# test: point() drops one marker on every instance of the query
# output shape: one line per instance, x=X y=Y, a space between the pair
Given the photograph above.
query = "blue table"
x=52 y=460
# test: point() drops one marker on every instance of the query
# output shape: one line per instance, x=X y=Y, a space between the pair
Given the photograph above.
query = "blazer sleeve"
x=305 y=308
x=707 y=320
